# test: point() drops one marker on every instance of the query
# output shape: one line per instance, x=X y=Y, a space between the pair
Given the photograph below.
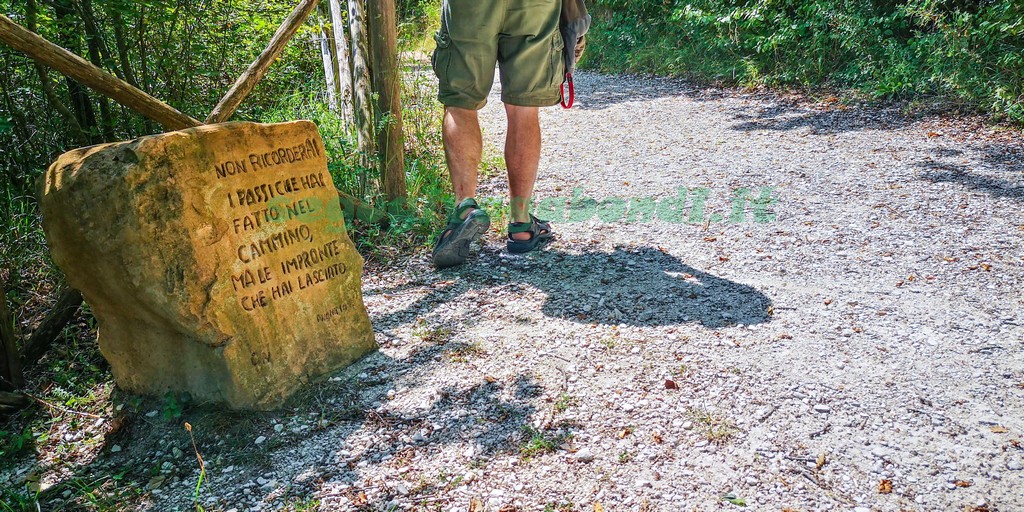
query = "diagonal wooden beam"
x=245 y=83
x=45 y=52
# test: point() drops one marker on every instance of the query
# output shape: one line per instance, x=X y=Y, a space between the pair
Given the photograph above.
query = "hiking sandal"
x=539 y=230
x=452 y=246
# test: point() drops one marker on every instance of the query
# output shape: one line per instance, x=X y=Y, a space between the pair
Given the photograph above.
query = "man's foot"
x=465 y=225
x=539 y=231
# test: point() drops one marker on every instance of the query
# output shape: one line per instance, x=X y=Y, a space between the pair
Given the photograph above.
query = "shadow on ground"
x=595 y=91
x=788 y=116
x=332 y=430
x=641 y=287
x=999 y=174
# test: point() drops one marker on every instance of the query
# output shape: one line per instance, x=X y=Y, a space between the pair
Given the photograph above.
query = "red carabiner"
x=572 y=91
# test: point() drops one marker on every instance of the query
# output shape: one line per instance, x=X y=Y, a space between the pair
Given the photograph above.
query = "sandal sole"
x=455 y=250
x=528 y=245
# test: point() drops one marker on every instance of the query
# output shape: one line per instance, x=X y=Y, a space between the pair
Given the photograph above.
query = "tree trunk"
x=324 y=39
x=388 y=86
x=75 y=129
x=144 y=84
x=21 y=130
x=10 y=363
x=342 y=57
x=81 y=104
x=97 y=51
x=51 y=326
x=361 y=88
x=122 y=49
x=12 y=402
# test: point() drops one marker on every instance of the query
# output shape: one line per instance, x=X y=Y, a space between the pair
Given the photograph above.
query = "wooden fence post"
x=388 y=86
x=344 y=60
x=361 y=86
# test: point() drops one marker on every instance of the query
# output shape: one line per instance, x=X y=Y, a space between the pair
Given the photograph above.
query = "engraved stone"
x=215 y=259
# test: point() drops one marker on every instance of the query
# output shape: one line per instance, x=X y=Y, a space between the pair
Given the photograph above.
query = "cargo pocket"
x=557 y=59
x=441 y=57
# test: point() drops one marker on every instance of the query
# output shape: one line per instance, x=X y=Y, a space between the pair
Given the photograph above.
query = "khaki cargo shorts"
x=521 y=36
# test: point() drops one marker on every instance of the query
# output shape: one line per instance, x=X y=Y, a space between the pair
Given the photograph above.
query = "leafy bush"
x=970 y=51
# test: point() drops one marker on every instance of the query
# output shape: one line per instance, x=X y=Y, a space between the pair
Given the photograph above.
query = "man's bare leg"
x=522 y=157
x=463 y=145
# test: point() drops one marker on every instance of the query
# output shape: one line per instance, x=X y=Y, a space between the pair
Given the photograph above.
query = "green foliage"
x=969 y=51
x=13 y=444
x=538 y=442
x=170 y=408
x=15 y=500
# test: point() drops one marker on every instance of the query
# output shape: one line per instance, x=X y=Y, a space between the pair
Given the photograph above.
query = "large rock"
x=215 y=259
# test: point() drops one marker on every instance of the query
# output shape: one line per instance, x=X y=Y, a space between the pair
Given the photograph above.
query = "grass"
x=713 y=427
x=564 y=402
x=611 y=340
x=539 y=442
x=559 y=506
x=302 y=505
x=626 y=456
x=432 y=334
x=461 y=352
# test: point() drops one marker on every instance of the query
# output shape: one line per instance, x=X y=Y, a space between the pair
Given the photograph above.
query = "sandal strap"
x=466 y=204
x=533 y=227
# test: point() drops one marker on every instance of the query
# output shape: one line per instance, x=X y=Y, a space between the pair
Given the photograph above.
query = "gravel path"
x=853 y=344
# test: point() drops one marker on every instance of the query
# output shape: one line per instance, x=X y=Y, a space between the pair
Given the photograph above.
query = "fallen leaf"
x=361 y=499
x=476 y=505
x=598 y=507
x=962 y=483
x=999 y=430
x=656 y=437
x=885 y=487
x=671 y=384
x=490 y=379
x=934 y=134
x=821 y=460
x=624 y=432
x=986 y=267
x=732 y=498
